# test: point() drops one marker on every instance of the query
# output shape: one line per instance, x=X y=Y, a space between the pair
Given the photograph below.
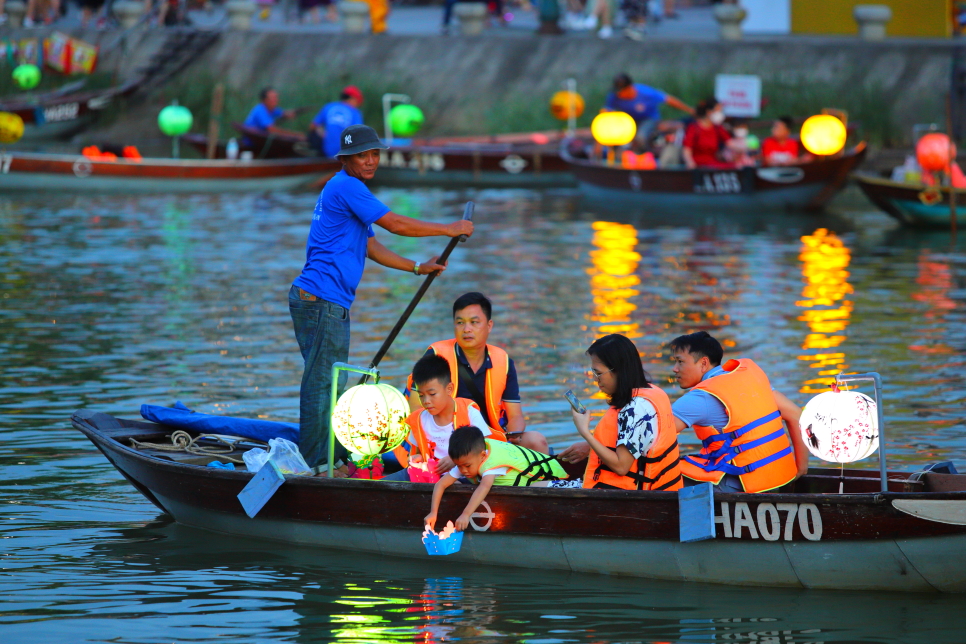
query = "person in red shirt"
x=780 y=148
x=705 y=138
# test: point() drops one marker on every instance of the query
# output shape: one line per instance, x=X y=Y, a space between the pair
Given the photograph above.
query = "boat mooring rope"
x=181 y=441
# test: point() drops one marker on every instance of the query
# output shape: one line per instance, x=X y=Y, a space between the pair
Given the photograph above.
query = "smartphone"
x=572 y=399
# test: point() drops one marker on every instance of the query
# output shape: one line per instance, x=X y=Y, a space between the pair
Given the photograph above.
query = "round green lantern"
x=406 y=120
x=175 y=120
x=753 y=142
x=26 y=76
x=371 y=419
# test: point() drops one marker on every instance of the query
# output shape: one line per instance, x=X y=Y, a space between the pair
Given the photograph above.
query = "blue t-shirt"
x=335 y=117
x=643 y=107
x=261 y=119
x=698 y=407
x=335 y=254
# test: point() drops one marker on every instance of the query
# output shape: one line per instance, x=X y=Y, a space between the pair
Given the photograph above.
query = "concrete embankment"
x=489 y=84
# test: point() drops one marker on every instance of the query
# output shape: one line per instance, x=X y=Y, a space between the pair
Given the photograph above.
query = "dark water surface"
x=110 y=302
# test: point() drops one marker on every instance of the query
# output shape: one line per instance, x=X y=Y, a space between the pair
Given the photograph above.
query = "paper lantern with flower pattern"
x=840 y=426
x=371 y=419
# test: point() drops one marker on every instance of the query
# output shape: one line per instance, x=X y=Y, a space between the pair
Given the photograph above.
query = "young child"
x=490 y=462
x=431 y=426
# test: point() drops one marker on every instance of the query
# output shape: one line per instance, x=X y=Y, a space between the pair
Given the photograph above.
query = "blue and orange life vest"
x=754 y=444
x=658 y=469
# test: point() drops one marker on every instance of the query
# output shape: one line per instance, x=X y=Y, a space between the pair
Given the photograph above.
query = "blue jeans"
x=322 y=331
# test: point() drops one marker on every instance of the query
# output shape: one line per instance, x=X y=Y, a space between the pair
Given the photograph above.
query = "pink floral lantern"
x=840 y=426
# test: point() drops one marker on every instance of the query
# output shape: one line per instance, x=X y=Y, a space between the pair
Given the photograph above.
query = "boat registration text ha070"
x=769 y=521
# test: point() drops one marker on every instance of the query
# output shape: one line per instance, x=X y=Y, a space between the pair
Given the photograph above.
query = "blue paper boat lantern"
x=436 y=546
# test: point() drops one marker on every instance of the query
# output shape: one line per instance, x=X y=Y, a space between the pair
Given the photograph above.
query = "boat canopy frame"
x=876 y=380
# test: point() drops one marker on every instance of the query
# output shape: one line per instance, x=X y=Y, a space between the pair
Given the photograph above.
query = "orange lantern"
x=934 y=151
x=564 y=105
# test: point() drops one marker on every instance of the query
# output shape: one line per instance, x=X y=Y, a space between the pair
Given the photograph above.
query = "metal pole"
x=571 y=115
x=336 y=368
x=876 y=380
x=387 y=100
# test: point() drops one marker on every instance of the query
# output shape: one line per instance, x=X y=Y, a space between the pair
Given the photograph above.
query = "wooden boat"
x=912 y=204
x=75 y=173
x=909 y=538
x=507 y=160
x=806 y=186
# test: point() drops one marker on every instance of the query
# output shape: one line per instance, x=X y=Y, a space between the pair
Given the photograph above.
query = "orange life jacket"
x=661 y=469
x=754 y=444
x=495 y=379
x=643 y=161
x=461 y=418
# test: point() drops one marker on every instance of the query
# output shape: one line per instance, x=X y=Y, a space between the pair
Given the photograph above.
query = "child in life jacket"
x=431 y=427
x=490 y=462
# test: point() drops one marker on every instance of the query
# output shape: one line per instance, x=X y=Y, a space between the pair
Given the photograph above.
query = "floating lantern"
x=934 y=151
x=613 y=128
x=565 y=105
x=840 y=426
x=823 y=135
x=175 y=120
x=26 y=76
x=371 y=419
x=406 y=120
x=11 y=127
x=445 y=542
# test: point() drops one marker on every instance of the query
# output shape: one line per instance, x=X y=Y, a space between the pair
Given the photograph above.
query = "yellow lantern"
x=823 y=135
x=371 y=419
x=11 y=127
x=613 y=128
x=565 y=105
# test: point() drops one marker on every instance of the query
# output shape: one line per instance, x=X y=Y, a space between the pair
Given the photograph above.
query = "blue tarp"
x=183 y=418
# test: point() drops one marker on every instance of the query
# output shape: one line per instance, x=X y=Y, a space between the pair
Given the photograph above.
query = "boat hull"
x=855 y=541
x=913 y=205
x=808 y=186
x=35 y=172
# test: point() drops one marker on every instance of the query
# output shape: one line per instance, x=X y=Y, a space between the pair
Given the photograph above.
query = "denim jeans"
x=322 y=331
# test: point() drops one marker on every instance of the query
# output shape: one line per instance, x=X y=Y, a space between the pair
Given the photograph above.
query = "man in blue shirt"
x=340 y=239
x=333 y=118
x=642 y=103
x=264 y=115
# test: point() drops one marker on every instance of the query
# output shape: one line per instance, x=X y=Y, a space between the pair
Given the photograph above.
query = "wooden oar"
x=468 y=216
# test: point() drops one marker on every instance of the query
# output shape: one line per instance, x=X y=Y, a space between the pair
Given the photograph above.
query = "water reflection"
x=934 y=276
x=613 y=278
x=826 y=311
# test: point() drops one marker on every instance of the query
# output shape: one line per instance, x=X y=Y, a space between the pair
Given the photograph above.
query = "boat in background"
x=804 y=186
x=910 y=537
x=911 y=203
x=77 y=173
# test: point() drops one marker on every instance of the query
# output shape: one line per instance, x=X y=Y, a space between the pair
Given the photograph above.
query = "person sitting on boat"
x=267 y=113
x=339 y=241
x=780 y=148
x=635 y=444
x=738 y=417
x=705 y=138
x=488 y=462
x=642 y=103
x=333 y=118
x=484 y=373
x=441 y=414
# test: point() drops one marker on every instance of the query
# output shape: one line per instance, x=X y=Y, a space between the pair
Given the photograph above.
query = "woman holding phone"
x=635 y=444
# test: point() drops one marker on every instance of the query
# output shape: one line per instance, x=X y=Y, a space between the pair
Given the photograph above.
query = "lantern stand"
x=336 y=368
x=571 y=84
x=387 y=100
x=876 y=379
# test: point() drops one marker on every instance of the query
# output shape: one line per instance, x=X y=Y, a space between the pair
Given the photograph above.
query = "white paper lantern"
x=840 y=426
x=371 y=419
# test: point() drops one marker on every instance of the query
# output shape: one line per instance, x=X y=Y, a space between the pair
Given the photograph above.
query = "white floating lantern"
x=371 y=419
x=840 y=426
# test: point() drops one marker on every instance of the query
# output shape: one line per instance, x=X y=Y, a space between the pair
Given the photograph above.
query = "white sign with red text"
x=739 y=94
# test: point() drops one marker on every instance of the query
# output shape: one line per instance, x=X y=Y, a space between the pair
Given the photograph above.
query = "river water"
x=111 y=302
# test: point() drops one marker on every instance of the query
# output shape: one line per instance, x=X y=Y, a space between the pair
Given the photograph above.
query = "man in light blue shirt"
x=264 y=115
x=340 y=238
x=333 y=118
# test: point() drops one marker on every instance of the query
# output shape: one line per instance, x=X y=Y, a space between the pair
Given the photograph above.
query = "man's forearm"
x=409 y=227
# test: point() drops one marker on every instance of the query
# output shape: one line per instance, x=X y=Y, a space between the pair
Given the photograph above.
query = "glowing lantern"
x=11 y=127
x=613 y=128
x=406 y=120
x=753 y=143
x=840 y=426
x=565 y=105
x=823 y=134
x=26 y=76
x=175 y=120
x=933 y=151
x=371 y=419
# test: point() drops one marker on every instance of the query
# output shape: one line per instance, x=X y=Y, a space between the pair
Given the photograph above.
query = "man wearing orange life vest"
x=738 y=418
x=484 y=373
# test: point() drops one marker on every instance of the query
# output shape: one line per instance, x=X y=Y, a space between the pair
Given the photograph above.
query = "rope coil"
x=182 y=441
